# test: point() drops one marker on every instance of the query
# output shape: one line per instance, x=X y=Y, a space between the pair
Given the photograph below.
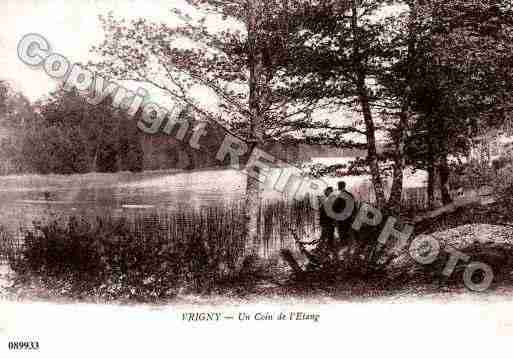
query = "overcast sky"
x=71 y=27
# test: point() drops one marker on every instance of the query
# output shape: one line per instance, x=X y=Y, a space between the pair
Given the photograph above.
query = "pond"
x=28 y=198
x=25 y=199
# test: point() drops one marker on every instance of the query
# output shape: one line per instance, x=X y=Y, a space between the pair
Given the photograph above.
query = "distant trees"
x=65 y=134
x=15 y=112
x=71 y=136
x=129 y=147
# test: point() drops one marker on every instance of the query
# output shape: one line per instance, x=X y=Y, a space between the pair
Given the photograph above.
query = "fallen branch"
x=298 y=241
x=291 y=261
x=450 y=208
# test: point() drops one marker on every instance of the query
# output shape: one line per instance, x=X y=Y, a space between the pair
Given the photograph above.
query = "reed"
x=152 y=255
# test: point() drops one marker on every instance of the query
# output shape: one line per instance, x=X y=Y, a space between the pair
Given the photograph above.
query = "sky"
x=71 y=27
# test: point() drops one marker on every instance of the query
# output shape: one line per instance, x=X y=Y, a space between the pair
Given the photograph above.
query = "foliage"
x=503 y=186
x=4 y=88
x=15 y=112
x=337 y=55
x=472 y=175
x=464 y=84
x=73 y=136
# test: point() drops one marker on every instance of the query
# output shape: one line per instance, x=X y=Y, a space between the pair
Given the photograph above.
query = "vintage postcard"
x=304 y=178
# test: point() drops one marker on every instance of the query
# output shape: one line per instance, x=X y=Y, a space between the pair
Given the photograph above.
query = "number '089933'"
x=23 y=345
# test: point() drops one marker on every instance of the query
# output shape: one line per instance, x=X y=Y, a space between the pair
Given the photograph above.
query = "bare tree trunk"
x=372 y=154
x=95 y=159
x=444 y=173
x=363 y=97
x=431 y=186
x=252 y=200
x=431 y=176
x=396 y=193
x=252 y=196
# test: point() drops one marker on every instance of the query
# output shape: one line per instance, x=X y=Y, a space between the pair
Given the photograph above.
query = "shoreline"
x=41 y=182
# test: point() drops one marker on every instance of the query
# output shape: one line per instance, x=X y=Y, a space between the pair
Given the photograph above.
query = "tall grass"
x=11 y=247
x=152 y=255
x=280 y=218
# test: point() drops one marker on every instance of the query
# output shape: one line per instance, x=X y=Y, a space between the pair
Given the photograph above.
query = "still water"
x=25 y=199
x=28 y=199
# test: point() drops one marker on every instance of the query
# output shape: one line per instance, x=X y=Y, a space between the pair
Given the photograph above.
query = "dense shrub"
x=499 y=177
x=501 y=162
x=146 y=257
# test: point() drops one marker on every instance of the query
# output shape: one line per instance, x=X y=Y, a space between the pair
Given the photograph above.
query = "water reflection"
x=92 y=196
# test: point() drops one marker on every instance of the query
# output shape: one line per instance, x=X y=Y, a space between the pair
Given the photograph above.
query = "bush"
x=472 y=175
x=147 y=257
x=498 y=177
x=503 y=187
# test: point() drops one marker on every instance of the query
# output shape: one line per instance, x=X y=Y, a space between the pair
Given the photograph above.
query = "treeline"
x=65 y=134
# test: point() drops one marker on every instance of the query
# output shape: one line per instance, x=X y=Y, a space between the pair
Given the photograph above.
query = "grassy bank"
x=153 y=256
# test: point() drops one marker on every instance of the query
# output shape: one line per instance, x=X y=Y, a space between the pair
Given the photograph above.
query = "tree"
x=405 y=44
x=240 y=66
x=465 y=82
x=130 y=151
x=412 y=68
x=16 y=111
x=3 y=95
x=336 y=59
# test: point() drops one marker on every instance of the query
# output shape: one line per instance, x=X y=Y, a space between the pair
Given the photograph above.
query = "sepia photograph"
x=307 y=178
